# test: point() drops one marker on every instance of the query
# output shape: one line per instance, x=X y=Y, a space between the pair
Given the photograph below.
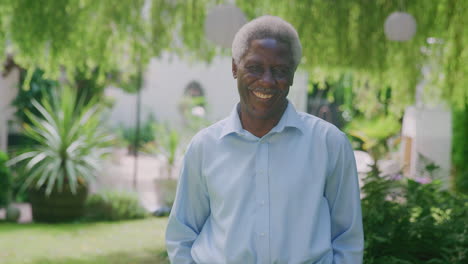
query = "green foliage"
x=69 y=143
x=374 y=133
x=5 y=181
x=460 y=149
x=80 y=36
x=193 y=121
x=340 y=35
x=348 y=35
x=88 y=84
x=343 y=95
x=37 y=88
x=114 y=206
x=409 y=222
x=146 y=135
x=167 y=142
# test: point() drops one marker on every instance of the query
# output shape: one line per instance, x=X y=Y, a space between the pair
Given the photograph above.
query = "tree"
x=348 y=35
x=83 y=35
x=338 y=35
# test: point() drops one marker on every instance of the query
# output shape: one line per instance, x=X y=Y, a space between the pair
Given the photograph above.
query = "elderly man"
x=267 y=184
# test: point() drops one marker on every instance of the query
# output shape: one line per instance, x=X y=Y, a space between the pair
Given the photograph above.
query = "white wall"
x=431 y=133
x=166 y=80
x=8 y=91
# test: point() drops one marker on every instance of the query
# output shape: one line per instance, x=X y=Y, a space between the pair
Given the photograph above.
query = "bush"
x=409 y=222
x=114 y=206
x=5 y=181
x=146 y=134
x=37 y=88
x=460 y=149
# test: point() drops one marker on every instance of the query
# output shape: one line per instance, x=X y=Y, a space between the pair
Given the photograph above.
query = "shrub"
x=5 y=181
x=409 y=222
x=146 y=134
x=114 y=206
x=460 y=149
x=38 y=87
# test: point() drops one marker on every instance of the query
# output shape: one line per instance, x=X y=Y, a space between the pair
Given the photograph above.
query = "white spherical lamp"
x=222 y=24
x=400 y=26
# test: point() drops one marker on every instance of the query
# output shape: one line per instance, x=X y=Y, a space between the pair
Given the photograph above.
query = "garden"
x=391 y=74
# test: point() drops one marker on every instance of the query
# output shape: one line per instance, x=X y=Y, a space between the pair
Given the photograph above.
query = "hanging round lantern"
x=222 y=24
x=400 y=26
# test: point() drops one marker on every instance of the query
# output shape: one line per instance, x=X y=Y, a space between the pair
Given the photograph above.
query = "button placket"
x=262 y=194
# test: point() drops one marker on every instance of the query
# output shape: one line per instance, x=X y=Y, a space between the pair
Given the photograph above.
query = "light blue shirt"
x=291 y=196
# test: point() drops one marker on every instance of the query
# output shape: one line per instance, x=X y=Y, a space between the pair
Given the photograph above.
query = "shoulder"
x=330 y=139
x=208 y=135
x=325 y=136
x=321 y=129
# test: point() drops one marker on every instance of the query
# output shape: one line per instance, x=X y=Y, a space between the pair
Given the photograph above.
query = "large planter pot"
x=61 y=206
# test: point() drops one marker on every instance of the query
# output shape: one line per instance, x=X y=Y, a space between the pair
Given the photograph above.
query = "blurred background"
x=99 y=99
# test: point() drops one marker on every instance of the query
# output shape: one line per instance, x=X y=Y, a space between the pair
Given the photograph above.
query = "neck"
x=259 y=126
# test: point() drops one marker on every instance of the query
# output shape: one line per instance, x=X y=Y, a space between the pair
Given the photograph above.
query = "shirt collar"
x=290 y=118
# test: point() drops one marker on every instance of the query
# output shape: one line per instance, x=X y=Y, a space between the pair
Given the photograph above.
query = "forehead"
x=268 y=49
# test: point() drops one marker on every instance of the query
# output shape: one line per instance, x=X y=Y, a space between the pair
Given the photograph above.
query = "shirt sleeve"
x=190 y=210
x=342 y=193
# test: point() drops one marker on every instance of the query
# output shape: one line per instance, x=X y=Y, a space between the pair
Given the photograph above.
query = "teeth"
x=262 y=95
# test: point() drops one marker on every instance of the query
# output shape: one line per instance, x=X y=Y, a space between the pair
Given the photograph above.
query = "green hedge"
x=114 y=206
x=5 y=180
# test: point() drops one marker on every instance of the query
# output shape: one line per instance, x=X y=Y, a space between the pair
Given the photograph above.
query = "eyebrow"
x=255 y=61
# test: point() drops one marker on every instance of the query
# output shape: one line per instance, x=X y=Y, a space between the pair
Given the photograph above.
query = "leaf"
x=71 y=175
x=19 y=158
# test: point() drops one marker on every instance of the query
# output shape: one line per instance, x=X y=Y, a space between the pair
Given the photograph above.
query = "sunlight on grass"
x=140 y=241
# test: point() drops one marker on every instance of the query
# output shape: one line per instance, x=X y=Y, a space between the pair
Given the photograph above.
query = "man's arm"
x=342 y=193
x=190 y=211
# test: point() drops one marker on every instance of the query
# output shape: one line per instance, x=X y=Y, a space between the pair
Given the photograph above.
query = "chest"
x=238 y=171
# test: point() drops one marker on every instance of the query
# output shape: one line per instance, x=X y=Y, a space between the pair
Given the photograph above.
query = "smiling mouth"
x=262 y=95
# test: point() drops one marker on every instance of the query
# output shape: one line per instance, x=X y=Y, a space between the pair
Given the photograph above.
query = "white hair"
x=266 y=27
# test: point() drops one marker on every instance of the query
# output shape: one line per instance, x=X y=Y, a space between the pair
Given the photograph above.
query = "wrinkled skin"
x=264 y=75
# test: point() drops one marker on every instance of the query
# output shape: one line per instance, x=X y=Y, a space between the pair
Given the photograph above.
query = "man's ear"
x=234 y=69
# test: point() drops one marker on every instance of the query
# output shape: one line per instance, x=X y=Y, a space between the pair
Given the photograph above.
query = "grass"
x=138 y=241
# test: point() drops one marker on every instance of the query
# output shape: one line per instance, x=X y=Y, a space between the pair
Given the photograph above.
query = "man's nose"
x=268 y=78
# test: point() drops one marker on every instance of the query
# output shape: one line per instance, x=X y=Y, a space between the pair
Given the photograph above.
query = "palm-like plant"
x=70 y=143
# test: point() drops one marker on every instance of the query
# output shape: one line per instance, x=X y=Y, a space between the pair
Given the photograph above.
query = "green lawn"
x=139 y=241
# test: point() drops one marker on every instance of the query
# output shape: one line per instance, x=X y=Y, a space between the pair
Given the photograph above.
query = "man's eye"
x=280 y=72
x=255 y=69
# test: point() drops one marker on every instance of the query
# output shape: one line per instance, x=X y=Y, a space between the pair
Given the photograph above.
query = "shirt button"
x=262 y=202
x=262 y=234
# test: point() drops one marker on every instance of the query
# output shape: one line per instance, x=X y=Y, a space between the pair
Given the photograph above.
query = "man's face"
x=264 y=75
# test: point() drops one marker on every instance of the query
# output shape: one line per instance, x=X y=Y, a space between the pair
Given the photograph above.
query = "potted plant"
x=69 y=144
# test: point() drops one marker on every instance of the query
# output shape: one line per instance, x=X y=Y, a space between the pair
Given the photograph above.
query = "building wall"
x=8 y=91
x=427 y=134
